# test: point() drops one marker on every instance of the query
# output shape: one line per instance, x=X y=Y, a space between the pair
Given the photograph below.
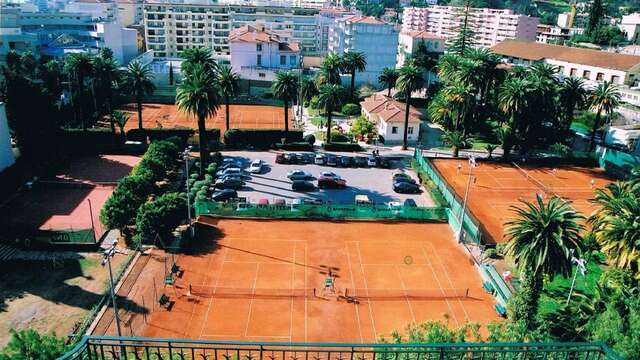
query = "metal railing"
x=111 y=348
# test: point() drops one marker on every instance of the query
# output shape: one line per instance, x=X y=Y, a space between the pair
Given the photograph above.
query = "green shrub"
x=296 y=146
x=31 y=345
x=342 y=146
x=314 y=102
x=259 y=139
x=500 y=248
x=351 y=109
x=491 y=253
x=310 y=138
x=120 y=208
x=160 y=217
x=339 y=137
x=90 y=141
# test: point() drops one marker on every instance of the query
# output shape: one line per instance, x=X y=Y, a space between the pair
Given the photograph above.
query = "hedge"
x=92 y=140
x=295 y=146
x=341 y=146
x=350 y=109
x=259 y=138
x=184 y=134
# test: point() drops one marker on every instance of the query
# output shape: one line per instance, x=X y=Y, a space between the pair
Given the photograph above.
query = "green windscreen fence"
x=471 y=226
x=616 y=162
x=310 y=211
x=71 y=236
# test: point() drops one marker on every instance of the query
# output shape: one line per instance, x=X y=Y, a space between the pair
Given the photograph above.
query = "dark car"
x=410 y=203
x=308 y=201
x=360 y=161
x=293 y=158
x=331 y=182
x=302 y=185
x=224 y=195
x=404 y=179
x=406 y=188
x=280 y=159
x=307 y=158
x=332 y=160
x=384 y=163
x=397 y=176
x=229 y=183
x=346 y=161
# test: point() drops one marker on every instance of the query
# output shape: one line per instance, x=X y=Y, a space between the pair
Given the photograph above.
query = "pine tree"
x=464 y=39
x=596 y=13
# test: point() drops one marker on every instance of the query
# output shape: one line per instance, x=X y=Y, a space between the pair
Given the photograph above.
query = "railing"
x=111 y=348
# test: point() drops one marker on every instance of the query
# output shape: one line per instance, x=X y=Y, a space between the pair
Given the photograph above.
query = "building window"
x=600 y=76
x=259 y=60
x=615 y=79
x=573 y=72
x=292 y=60
x=258 y=47
x=394 y=129
x=561 y=69
x=410 y=130
x=586 y=74
x=262 y=75
x=283 y=60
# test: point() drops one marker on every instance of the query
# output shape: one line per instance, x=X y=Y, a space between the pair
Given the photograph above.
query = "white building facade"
x=388 y=116
x=258 y=53
x=377 y=39
x=491 y=26
x=100 y=10
x=325 y=21
x=408 y=43
x=129 y=12
x=630 y=24
x=6 y=152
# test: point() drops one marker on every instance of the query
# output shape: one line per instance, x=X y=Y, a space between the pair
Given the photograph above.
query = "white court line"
x=250 y=336
x=353 y=284
x=439 y=285
x=306 y=301
x=404 y=288
x=253 y=289
x=293 y=284
x=364 y=277
x=446 y=273
x=206 y=316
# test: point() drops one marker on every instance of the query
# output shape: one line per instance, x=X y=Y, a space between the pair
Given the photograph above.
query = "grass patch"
x=435 y=193
x=318 y=121
x=88 y=264
x=580 y=127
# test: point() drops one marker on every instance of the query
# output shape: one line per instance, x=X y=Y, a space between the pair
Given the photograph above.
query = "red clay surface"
x=241 y=117
x=497 y=187
x=62 y=201
x=259 y=255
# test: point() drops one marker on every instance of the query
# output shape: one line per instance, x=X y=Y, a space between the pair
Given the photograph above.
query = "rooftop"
x=389 y=110
x=259 y=34
x=358 y=19
x=422 y=35
x=536 y=51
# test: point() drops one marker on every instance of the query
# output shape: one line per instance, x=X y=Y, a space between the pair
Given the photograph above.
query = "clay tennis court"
x=66 y=200
x=264 y=273
x=241 y=117
x=499 y=186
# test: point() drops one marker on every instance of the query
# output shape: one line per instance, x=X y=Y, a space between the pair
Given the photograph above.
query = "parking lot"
x=273 y=183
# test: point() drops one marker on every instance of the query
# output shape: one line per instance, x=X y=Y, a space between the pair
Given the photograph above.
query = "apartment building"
x=491 y=26
x=377 y=39
x=408 y=43
x=100 y=10
x=549 y=34
x=258 y=53
x=325 y=20
x=174 y=26
x=630 y=24
x=129 y=12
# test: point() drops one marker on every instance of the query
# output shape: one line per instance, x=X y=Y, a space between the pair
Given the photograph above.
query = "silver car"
x=299 y=175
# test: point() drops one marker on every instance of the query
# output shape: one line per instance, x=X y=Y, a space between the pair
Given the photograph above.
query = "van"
x=363 y=200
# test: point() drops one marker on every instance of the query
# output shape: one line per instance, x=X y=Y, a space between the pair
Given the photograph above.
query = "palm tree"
x=605 y=98
x=106 y=73
x=410 y=80
x=194 y=56
x=616 y=224
x=330 y=70
x=542 y=240
x=388 y=79
x=352 y=62
x=79 y=66
x=308 y=89
x=573 y=96
x=460 y=98
x=455 y=139
x=513 y=100
x=138 y=82
x=330 y=99
x=285 y=88
x=120 y=118
x=228 y=80
x=198 y=95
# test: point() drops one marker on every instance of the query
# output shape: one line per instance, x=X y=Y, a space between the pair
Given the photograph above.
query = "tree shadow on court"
x=206 y=239
x=92 y=169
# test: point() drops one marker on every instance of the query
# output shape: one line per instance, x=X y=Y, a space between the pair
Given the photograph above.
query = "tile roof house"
x=592 y=65
x=388 y=116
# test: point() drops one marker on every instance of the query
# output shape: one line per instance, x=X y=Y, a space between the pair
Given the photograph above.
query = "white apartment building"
x=257 y=53
x=100 y=10
x=377 y=39
x=325 y=20
x=408 y=43
x=549 y=34
x=129 y=12
x=388 y=116
x=491 y=26
x=172 y=27
x=630 y=24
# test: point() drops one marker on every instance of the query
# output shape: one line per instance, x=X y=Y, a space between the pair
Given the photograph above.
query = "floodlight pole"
x=108 y=254
x=580 y=267
x=185 y=156
x=464 y=203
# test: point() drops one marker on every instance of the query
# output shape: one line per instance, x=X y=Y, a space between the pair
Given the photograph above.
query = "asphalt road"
x=374 y=182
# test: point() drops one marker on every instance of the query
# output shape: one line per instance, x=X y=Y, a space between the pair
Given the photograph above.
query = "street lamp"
x=472 y=164
x=106 y=260
x=185 y=156
x=581 y=268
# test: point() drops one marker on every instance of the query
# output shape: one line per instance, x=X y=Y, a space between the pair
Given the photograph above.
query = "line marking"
x=346 y=247
x=206 y=316
x=446 y=273
x=306 y=301
x=404 y=288
x=253 y=290
x=366 y=287
x=293 y=286
x=424 y=253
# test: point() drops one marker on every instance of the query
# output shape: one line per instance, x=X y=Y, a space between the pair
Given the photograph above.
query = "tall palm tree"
x=138 y=82
x=79 y=67
x=285 y=88
x=460 y=97
x=513 y=100
x=542 y=239
x=456 y=139
x=229 y=81
x=198 y=95
x=194 y=56
x=120 y=118
x=573 y=96
x=330 y=99
x=106 y=73
x=604 y=99
x=410 y=80
x=308 y=89
x=616 y=224
x=440 y=112
x=330 y=70
x=352 y=62
x=388 y=78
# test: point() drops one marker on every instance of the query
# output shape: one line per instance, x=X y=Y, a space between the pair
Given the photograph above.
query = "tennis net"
x=233 y=292
x=411 y=294
x=533 y=180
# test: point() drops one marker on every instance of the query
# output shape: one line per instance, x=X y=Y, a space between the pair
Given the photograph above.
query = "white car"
x=319 y=159
x=329 y=174
x=256 y=167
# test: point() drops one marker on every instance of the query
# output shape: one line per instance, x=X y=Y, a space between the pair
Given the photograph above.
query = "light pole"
x=581 y=267
x=185 y=156
x=472 y=164
x=106 y=260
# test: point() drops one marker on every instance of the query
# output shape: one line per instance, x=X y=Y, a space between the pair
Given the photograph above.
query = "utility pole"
x=581 y=268
x=106 y=260
x=185 y=156
x=472 y=164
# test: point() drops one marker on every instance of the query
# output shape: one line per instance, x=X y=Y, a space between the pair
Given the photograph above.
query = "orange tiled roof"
x=422 y=35
x=364 y=20
x=388 y=109
x=259 y=34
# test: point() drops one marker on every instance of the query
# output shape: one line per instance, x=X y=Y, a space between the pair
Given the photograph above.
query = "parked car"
x=299 y=175
x=331 y=182
x=256 y=167
x=224 y=195
x=410 y=203
x=232 y=162
x=307 y=158
x=229 y=183
x=363 y=200
x=302 y=185
x=346 y=161
x=384 y=163
x=279 y=202
x=404 y=179
x=320 y=159
x=372 y=161
x=399 y=175
x=280 y=159
x=263 y=202
x=406 y=187
x=310 y=201
x=360 y=161
x=229 y=171
x=231 y=176
x=332 y=160
x=329 y=174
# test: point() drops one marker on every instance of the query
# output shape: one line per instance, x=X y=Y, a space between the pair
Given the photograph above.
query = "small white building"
x=626 y=136
x=630 y=24
x=388 y=116
x=408 y=43
x=258 y=53
x=6 y=152
x=554 y=34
